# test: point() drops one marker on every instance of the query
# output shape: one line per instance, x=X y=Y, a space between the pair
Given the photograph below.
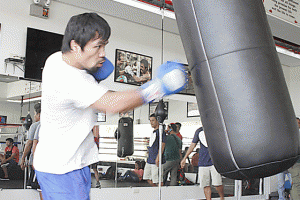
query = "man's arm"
x=189 y=151
x=114 y=102
x=162 y=152
x=35 y=142
x=9 y=158
x=25 y=153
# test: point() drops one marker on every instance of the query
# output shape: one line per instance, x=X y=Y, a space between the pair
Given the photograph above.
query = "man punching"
x=71 y=98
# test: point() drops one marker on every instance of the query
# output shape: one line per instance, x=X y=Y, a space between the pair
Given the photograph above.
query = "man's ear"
x=74 y=46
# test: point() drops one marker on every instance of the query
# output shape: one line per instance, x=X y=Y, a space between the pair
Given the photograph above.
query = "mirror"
x=13 y=114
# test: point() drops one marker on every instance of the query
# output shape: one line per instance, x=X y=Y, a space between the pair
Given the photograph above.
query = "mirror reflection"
x=112 y=171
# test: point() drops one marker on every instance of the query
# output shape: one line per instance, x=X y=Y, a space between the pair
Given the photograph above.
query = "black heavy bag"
x=240 y=88
x=28 y=121
x=124 y=135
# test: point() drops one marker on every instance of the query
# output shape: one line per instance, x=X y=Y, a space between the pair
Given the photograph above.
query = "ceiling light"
x=147 y=7
x=26 y=100
x=287 y=52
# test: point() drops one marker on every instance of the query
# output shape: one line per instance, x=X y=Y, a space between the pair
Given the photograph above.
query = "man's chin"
x=92 y=70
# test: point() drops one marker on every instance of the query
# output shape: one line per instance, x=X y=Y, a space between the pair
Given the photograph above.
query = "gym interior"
x=135 y=31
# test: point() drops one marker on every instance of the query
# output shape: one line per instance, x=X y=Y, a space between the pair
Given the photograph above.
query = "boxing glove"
x=104 y=71
x=171 y=78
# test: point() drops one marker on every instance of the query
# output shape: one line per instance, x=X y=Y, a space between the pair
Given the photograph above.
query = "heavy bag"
x=28 y=121
x=241 y=92
x=124 y=136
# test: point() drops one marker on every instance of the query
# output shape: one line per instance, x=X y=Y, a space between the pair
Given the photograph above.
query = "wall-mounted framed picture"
x=3 y=119
x=192 y=110
x=189 y=88
x=101 y=117
x=153 y=105
x=132 y=68
x=129 y=113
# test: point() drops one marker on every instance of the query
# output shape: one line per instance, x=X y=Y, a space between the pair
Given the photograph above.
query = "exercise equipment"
x=245 y=107
x=124 y=135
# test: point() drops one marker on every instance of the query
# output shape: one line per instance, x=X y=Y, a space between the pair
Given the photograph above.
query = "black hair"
x=178 y=124
x=153 y=115
x=37 y=108
x=10 y=140
x=145 y=62
x=82 y=28
x=173 y=127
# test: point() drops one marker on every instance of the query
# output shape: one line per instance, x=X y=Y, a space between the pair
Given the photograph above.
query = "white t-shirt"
x=66 y=141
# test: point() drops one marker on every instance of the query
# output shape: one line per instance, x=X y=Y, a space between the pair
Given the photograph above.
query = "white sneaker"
x=5 y=165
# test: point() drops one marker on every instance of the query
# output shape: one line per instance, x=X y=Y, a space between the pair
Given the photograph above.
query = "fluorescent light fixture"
x=287 y=52
x=147 y=7
x=26 y=100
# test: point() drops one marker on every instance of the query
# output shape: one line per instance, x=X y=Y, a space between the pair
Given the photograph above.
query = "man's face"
x=36 y=116
x=142 y=68
x=8 y=143
x=154 y=122
x=92 y=57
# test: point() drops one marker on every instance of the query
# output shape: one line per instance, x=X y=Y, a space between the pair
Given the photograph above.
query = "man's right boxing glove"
x=171 y=78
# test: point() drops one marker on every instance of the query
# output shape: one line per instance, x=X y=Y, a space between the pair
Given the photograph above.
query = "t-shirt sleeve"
x=31 y=131
x=164 y=137
x=36 y=134
x=196 y=137
x=15 y=150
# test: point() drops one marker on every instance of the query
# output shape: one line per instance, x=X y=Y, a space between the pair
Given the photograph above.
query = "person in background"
x=135 y=175
x=28 y=147
x=172 y=154
x=207 y=172
x=151 y=172
x=94 y=165
x=10 y=158
x=295 y=172
x=178 y=130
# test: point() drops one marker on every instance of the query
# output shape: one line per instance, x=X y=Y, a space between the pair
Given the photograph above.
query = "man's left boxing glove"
x=104 y=71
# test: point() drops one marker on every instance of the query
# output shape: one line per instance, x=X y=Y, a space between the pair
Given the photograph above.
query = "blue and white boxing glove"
x=104 y=71
x=171 y=78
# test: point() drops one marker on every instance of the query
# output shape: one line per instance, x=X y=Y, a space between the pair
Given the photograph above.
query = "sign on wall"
x=284 y=9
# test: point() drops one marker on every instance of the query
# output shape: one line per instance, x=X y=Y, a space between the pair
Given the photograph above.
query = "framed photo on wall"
x=153 y=105
x=129 y=113
x=3 y=119
x=132 y=68
x=192 y=110
x=189 y=88
x=101 y=117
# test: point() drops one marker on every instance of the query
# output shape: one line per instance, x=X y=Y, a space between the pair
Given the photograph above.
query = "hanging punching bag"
x=242 y=96
x=124 y=135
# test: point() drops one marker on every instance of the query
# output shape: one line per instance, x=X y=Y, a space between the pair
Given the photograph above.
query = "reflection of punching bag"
x=124 y=135
x=245 y=107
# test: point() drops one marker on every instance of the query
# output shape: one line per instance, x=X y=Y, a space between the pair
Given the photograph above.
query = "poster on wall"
x=101 y=117
x=3 y=119
x=285 y=9
x=189 y=88
x=192 y=110
x=132 y=68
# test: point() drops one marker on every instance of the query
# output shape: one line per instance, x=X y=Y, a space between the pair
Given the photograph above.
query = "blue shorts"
x=72 y=185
